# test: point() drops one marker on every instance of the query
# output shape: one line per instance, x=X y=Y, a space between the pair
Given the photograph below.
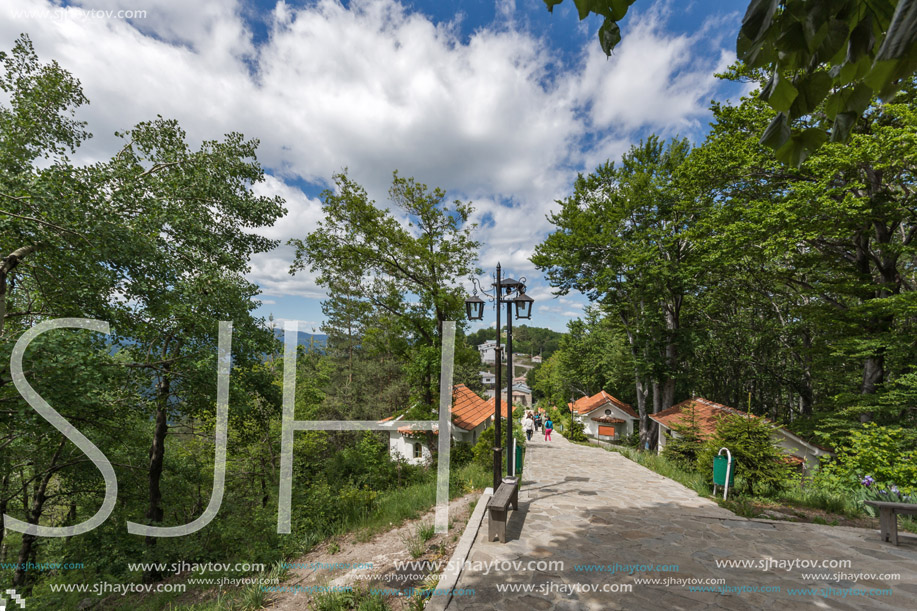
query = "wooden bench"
x=507 y=494
x=888 y=517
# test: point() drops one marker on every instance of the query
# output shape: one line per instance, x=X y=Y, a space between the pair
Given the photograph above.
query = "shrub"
x=632 y=440
x=684 y=448
x=576 y=432
x=460 y=455
x=759 y=462
x=873 y=491
x=884 y=454
x=483 y=450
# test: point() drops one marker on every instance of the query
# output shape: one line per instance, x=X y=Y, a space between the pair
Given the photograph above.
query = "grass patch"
x=395 y=506
x=414 y=544
x=425 y=531
x=391 y=509
x=835 y=504
x=816 y=498
x=359 y=600
x=247 y=598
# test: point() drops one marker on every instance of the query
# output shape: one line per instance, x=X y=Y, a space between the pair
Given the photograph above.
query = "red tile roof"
x=599 y=399
x=706 y=414
x=469 y=410
x=406 y=430
x=490 y=405
x=607 y=420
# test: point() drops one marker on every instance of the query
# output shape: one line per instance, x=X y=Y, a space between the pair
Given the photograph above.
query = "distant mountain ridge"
x=318 y=340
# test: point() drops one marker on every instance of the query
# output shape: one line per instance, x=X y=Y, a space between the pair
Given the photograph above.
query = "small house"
x=407 y=443
x=488 y=352
x=522 y=395
x=605 y=417
x=804 y=454
x=470 y=416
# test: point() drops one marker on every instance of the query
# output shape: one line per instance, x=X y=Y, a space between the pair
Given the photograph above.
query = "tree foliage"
x=758 y=462
x=622 y=239
x=402 y=271
x=737 y=278
x=825 y=61
x=155 y=241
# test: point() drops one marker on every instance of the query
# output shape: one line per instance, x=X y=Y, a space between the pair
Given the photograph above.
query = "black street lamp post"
x=474 y=305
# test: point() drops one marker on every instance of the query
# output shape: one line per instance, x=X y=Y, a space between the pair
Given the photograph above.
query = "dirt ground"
x=381 y=550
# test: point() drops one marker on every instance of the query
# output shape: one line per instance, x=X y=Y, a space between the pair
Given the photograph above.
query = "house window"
x=418 y=450
x=607 y=412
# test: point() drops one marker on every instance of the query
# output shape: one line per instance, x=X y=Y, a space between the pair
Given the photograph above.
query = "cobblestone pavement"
x=589 y=506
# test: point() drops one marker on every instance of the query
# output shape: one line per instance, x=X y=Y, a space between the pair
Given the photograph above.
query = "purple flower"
x=894 y=489
x=868 y=481
x=883 y=491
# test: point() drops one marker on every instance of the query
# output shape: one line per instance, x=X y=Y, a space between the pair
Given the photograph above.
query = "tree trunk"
x=154 y=511
x=641 y=411
x=807 y=393
x=873 y=375
x=4 y=485
x=668 y=394
x=7 y=265
x=672 y=324
x=33 y=516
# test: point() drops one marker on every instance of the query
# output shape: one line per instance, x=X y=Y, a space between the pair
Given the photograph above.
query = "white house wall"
x=400 y=446
x=660 y=443
x=791 y=445
x=403 y=447
x=591 y=427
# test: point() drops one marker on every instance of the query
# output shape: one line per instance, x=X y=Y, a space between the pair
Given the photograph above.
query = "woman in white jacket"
x=528 y=425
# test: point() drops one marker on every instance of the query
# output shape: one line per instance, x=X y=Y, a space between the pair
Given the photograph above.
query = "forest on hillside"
x=533 y=341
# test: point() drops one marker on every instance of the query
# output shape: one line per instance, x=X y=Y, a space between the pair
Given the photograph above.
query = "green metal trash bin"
x=518 y=459
x=719 y=471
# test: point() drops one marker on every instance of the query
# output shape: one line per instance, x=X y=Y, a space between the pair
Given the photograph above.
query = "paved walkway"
x=588 y=506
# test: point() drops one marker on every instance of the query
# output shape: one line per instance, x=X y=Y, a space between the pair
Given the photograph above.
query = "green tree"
x=594 y=356
x=684 y=446
x=887 y=454
x=622 y=239
x=830 y=246
x=759 y=462
x=408 y=273
x=156 y=241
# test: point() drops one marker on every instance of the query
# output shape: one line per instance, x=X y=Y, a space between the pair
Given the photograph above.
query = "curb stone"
x=453 y=570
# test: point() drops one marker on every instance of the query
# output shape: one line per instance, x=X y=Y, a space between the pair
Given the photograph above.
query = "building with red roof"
x=706 y=414
x=470 y=416
x=605 y=417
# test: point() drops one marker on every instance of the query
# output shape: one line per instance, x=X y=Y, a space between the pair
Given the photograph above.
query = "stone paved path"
x=588 y=506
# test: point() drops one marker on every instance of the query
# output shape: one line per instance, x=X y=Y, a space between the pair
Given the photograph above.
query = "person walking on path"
x=537 y=421
x=548 y=427
x=528 y=425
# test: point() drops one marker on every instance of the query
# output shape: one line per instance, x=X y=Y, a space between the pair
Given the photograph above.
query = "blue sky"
x=498 y=102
